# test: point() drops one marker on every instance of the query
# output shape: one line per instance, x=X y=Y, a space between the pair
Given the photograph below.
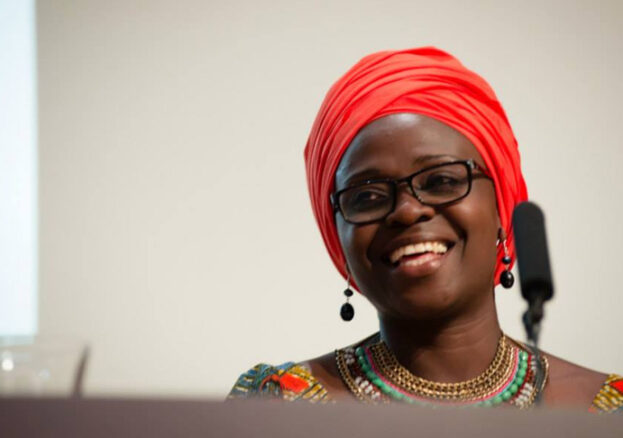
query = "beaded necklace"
x=374 y=375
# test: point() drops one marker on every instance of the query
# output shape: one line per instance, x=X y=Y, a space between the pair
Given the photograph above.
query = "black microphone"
x=534 y=274
x=532 y=257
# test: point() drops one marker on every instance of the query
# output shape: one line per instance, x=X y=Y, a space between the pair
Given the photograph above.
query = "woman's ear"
x=501 y=232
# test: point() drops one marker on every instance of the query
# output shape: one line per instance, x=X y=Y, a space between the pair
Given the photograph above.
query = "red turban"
x=426 y=81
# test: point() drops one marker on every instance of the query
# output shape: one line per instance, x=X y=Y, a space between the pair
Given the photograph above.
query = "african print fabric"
x=289 y=382
x=610 y=397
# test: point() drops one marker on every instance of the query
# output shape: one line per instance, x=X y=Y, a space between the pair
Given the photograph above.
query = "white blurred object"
x=41 y=366
x=18 y=169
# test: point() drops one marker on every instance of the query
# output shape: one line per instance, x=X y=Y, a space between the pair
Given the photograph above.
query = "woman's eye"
x=441 y=183
x=366 y=199
x=369 y=196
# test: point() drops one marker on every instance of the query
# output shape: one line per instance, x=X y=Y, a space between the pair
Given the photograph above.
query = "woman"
x=413 y=173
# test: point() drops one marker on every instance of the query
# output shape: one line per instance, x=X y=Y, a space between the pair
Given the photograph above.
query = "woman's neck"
x=445 y=351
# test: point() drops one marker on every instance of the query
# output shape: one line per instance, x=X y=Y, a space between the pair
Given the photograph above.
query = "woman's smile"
x=417 y=256
x=419 y=259
x=417 y=249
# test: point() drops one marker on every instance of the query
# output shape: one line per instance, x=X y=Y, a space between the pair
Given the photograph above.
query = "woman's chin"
x=424 y=304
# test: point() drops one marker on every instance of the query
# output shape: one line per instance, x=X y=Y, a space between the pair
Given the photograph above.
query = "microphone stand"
x=532 y=323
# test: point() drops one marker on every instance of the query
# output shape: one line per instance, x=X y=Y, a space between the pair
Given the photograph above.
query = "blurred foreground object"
x=94 y=418
x=37 y=366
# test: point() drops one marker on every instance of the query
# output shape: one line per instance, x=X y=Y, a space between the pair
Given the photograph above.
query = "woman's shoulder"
x=572 y=384
x=314 y=380
x=289 y=381
x=609 y=399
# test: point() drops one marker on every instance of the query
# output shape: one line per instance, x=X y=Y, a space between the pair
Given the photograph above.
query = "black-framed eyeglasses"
x=437 y=186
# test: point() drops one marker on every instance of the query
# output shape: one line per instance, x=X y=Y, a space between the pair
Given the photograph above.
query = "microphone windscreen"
x=532 y=255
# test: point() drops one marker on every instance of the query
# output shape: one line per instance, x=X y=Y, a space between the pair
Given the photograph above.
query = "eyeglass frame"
x=470 y=164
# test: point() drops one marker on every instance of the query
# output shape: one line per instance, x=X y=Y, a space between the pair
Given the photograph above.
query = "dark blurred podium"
x=156 y=418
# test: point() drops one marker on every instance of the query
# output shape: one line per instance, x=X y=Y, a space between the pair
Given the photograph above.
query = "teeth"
x=418 y=248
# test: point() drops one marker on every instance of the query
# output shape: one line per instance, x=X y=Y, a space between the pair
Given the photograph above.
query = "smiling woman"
x=414 y=172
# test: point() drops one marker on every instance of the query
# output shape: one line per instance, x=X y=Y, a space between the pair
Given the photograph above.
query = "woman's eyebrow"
x=426 y=158
x=362 y=175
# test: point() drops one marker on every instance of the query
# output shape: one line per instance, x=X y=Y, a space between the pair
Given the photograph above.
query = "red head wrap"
x=426 y=81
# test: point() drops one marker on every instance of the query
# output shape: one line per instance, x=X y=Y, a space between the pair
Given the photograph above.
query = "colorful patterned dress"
x=610 y=397
x=289 y=381
x=294 y=382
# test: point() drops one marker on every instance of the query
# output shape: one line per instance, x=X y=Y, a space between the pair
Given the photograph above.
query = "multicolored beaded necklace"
x=374 y=375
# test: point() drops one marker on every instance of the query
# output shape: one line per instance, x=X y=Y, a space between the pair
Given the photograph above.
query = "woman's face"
x=424 y=285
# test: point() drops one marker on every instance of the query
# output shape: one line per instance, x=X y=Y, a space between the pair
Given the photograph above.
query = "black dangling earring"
x=347 y=312
x=506 y=277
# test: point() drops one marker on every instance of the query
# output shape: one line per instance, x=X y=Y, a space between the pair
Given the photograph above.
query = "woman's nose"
x=408 y=209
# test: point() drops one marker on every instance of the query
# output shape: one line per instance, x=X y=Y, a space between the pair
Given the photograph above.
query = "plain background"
x=176 y=234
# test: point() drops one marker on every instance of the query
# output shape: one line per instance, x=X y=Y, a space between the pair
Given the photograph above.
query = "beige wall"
x=176 y=232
